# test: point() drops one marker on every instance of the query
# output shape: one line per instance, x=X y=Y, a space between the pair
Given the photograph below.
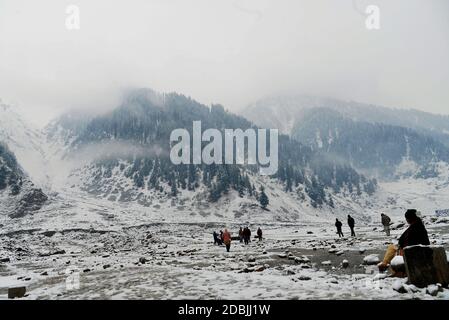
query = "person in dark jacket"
x=416 y=234
x=241 y=234
x=351 y=224
x=338 y=224
x=217 y=239
x=386 y=221
x=259 y=234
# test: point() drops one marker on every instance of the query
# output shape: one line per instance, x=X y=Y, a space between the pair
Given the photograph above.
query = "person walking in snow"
x=351 y=224
x=217 y=239
x=227 y=239
x=386 y=223
x=338 y=224
x=259 y=233
x=241 y=234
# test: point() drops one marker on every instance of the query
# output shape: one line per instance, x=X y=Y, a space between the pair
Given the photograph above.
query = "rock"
x=362 y=250
x=3 y=260
x=304 y=278
x=251 y=259
x=326 y=263
x=309 y=232
x=17 y=292
x=333 y=246
x=86 y=270
x=397 y=264
x=306 y=266
x=45 y=273
x=290 y=272
x=106 y=266
x=426 y=265
x=345 y=264
x=105 y=256
x=49 y=233
x=332 y=250
x=371 y=259
x=27 y=279
x=259 y=268
x=339 y=253
x=142 y=260
x=432 y=290
x=282 y=255
x=398 y=286
x=291 y=257
x=396 y=226
x=264 y=252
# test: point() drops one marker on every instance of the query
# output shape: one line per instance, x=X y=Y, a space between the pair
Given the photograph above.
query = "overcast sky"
x=223 y=51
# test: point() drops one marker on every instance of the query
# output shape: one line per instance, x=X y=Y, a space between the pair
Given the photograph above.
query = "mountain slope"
x=18 y=195
x=124 y=157
x=26 y=142
x=379 y=141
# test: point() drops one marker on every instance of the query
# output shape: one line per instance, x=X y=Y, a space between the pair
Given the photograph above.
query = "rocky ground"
x=179 y=260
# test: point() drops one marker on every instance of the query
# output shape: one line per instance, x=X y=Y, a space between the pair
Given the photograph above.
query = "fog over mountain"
x=228 y=52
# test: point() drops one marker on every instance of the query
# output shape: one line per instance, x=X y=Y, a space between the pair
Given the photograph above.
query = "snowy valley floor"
x=179 y=261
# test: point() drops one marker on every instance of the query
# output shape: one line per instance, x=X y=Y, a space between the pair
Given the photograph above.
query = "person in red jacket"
x=227 y=239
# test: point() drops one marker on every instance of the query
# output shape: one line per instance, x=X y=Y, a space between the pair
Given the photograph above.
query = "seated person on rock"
x=416 y=234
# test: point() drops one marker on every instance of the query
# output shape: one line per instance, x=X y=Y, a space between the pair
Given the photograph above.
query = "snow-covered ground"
x=85 y=236
x=100 y=243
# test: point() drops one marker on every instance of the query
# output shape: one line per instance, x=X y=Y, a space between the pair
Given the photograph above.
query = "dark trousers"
x=228 y=247
x=352 y=232
x=340 y=233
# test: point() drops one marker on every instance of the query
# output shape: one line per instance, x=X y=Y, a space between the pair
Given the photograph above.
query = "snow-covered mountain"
x=27 y=143
x=122 y=156
x=118 y=162
x=382 y=142
x=18 y=195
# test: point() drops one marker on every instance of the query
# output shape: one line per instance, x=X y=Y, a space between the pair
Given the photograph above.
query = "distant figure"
x=259 y=233
x=221 y=236
x=241 y=234
x=246 y=235
x=386 y=223
x=217 y=239
x=338 y=224
x=415 y=234
x=227 y=239
x=351 y=224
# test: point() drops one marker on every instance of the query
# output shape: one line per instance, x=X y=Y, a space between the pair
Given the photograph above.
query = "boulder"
x=371 y=259
x=345 y=264
x=397 y=264
x=432 y=290
x=426 y=265
x=251 y=259
x=17 y=292
x=142 y=260
x=3 y=260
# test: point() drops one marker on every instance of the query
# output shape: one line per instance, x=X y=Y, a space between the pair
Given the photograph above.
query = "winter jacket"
x=227 y=238
x=351 y=222
x=338 y=224
x=386 y=220
x=414 y=235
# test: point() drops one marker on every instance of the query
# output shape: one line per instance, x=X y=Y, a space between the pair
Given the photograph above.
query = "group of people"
x=415 y=234
x=224 y=237
x=351 y=224
x=386 y=222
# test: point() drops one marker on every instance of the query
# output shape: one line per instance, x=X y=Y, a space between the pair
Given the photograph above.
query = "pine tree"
x=263 y=198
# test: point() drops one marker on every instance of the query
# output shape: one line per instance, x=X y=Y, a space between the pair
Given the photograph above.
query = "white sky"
x=223 y=51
